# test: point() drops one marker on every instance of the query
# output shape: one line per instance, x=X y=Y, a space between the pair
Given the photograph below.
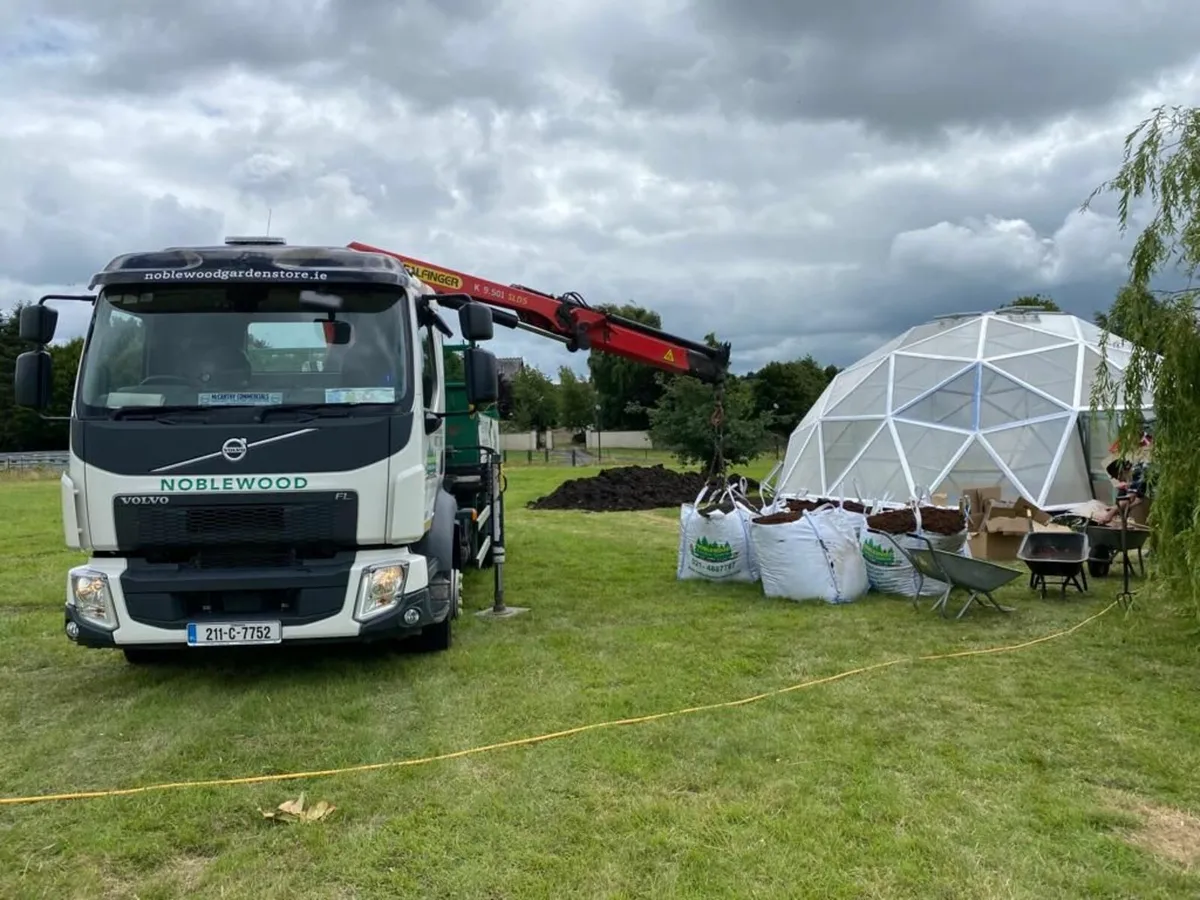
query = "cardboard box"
x=978 y=498
x=1002 y=527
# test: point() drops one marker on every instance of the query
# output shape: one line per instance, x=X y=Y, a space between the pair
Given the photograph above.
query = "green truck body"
x=473 y=465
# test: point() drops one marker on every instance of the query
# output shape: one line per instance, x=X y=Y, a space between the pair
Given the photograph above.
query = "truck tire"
x=439 y=637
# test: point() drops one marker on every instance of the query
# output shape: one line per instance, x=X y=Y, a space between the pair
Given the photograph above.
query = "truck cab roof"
x=255 y=260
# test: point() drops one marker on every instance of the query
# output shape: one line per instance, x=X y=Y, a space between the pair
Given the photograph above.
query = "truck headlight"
x=88 y=591
x=381 y=588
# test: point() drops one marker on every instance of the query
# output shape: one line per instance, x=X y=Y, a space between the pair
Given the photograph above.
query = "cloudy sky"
x=812 y=176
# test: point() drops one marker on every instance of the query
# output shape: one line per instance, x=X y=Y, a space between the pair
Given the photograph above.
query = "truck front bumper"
x=413 y=611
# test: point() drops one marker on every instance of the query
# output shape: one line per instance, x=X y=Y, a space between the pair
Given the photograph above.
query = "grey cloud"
x=435 y=54
x=762 y=332
x=777 y=234
x=814 y=193
x=904 y=303
x=266 y=176
x=1086 y=245
x=62 y=239
x=907 y=69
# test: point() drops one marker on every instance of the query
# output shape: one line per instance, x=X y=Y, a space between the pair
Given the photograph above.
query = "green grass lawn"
x=1063 y=770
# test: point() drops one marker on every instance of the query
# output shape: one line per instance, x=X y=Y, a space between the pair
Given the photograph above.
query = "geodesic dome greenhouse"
x=997 y=399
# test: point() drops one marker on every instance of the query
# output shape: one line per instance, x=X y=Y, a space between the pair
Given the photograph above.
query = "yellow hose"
x=541 y=738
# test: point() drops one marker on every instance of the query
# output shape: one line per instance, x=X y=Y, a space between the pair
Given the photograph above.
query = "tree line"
x=23 y=430
x=760 y=408
x=623 y=395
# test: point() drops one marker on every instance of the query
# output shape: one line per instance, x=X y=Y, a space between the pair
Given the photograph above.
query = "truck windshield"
x=244 y=345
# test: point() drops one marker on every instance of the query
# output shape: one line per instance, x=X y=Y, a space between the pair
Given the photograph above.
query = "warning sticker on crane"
x=669 y=356
x=434 y=276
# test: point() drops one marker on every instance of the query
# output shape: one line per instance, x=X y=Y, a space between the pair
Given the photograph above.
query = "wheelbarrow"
x=978 y=577
x=1057 y=555
x=1107 y=544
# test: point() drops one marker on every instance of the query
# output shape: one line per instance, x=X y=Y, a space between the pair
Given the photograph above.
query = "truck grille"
x=311 y=590
x=323 y=519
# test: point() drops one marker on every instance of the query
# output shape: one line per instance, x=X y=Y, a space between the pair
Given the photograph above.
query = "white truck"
x=268 y=445
x=257 y=449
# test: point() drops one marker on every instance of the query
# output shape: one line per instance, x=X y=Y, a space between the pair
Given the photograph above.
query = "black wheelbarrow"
x=1059 y=555
x=1107 y=543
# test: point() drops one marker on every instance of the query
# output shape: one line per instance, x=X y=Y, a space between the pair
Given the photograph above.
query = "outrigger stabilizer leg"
x=498 y=610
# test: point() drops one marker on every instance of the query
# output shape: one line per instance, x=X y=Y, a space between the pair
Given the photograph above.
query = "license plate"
x=226 y=634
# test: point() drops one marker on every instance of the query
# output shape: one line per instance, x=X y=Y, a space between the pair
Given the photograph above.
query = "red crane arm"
x=570 y=320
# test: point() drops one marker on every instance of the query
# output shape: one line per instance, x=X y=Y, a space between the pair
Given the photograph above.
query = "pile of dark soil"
x=625 y=488
x=933 y=520
x=779 y=518
x=797 y=508
x=897 y=521
x=809 y=505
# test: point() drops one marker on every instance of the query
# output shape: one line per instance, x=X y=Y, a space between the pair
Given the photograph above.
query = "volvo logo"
x=144 y=500
x=234 y=449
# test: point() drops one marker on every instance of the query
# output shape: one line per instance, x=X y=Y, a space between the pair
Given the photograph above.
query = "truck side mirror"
x=483 y=376
x=33 y=379
x=475 y=322
x=37 y=324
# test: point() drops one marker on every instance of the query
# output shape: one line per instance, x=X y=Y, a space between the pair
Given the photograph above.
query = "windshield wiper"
x=305 y=411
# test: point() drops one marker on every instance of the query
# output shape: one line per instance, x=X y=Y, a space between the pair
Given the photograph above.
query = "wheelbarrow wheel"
x=1100 y=562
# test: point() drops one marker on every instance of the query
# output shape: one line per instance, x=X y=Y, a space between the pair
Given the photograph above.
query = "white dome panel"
x=844 y=383
x=1005 y=337
x=912 y=376
x=841 y=441
x=961 y=341
x=867 y=398
x=876 y=472
x=1053 y=371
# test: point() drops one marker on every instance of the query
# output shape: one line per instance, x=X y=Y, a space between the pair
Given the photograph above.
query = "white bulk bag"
x=891 y=573
x=856 y=521
x=816 y=557
x=714 y=545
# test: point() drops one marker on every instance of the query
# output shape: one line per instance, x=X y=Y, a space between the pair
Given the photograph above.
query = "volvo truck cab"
x=257 y=449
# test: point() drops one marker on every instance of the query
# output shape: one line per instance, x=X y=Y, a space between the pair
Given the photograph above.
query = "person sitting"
x=1133 y=491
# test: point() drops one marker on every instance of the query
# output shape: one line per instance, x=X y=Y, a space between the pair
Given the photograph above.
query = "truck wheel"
x=438 y=638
